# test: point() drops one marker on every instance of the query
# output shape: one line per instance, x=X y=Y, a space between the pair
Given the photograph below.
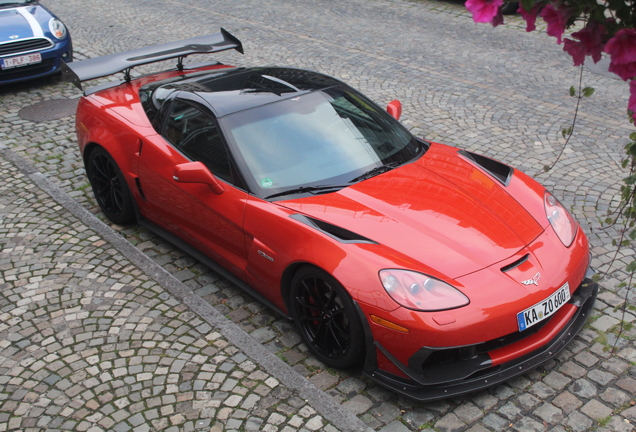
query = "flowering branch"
x=567 y=133
x=609 y=26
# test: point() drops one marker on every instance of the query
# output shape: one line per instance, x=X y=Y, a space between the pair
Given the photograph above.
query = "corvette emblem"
x=14 y=36
x=533 y=281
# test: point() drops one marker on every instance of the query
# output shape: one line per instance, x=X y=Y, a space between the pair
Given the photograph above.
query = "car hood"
x=12 y=23
x=440 y=210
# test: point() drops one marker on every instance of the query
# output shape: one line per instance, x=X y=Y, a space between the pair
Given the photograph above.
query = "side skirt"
x=195 y=253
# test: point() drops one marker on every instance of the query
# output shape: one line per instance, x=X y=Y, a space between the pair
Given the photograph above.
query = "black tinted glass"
x=196 y=135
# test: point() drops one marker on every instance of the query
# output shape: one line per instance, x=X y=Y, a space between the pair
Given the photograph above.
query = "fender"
x=122 y=141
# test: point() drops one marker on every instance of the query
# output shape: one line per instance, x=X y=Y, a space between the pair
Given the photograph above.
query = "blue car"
x=33 y=41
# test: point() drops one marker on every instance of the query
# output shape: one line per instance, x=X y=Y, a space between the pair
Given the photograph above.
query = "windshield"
x=323 y=138
x=15 y=2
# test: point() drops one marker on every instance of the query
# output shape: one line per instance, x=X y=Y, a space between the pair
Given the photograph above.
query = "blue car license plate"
x=544 y=309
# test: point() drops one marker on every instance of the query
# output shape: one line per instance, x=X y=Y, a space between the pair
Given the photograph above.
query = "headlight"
x=561 y=220
x=57 y=28
x=421 y=292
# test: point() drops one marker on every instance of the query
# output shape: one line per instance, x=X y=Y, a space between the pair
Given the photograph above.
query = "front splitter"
x=489 y=377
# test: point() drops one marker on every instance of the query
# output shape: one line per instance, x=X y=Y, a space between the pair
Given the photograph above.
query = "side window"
x=196 y=135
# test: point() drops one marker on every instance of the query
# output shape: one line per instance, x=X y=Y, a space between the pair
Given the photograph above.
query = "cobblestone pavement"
x=90 y=334
x=91 y=342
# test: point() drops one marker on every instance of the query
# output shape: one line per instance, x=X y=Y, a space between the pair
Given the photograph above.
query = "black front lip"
x=584 y=299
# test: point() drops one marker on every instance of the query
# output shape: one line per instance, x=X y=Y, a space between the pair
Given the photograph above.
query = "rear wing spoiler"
x=76 y=72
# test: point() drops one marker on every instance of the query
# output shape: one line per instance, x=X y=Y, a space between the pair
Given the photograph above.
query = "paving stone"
x=618 y=424
x=596 y=410
x=449 y=423
x=358 y=404
x=468 y=413
x=578 y=422
x=583 y=388
x=549 y=413
x=556 y=380
x=567 y=402
x=394 y=426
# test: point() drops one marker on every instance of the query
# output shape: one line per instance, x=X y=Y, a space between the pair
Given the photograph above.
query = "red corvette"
x=438 y=270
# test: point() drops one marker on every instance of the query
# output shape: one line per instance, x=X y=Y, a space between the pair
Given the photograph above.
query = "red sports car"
x=438 y=270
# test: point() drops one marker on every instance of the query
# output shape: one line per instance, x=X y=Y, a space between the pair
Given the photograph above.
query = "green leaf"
x=631 y=267
x=527 y=5
x=630 y=180
x=572 y=91
x=588 y=91
x=632 y=235
x=609 y=220
x=546 y=168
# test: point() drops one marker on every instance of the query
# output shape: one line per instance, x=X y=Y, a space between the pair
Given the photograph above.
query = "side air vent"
x=340 y=234
x=516 y=263
x=498 y=170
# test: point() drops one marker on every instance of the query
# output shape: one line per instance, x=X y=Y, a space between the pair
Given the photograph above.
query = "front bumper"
x=461 y=370
x=51 y=64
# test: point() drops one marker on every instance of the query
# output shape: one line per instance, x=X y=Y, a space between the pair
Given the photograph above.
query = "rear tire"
x=326 y=318
x=110 y=187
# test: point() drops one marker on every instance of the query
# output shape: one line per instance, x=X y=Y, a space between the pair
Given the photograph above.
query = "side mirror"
x=196 y=172
x=395 y=109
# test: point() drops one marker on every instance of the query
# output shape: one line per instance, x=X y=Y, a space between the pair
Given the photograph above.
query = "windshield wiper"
x=375 y=171
x=309 y=189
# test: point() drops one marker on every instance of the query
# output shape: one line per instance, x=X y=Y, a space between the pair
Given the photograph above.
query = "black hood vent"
x=500 y=171
x=340 y=234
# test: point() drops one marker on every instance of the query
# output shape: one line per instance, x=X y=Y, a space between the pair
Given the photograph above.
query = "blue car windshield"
x=317 y=139
x=15 y=2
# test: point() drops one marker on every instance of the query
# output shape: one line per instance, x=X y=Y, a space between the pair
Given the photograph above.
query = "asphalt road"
x=111 y=328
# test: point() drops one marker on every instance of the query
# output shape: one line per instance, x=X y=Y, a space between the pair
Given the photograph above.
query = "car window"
x=195 y=134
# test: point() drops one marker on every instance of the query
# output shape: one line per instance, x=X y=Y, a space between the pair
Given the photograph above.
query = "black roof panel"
x=240 y=89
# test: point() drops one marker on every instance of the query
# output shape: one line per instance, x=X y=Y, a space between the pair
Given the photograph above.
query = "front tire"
x=110 y=187
x=326 y=318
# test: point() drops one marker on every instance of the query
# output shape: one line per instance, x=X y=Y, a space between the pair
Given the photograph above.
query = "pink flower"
x=497 y=19
x=631 y=105
x=589 y=43
x=483 y=10
x=556 y=20
x=576 y=50
x=622 y=49
x=530 y=17
x=625 y=71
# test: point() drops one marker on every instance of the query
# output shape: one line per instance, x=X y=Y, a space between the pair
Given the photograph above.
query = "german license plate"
x=543 y=309
x=22 y=60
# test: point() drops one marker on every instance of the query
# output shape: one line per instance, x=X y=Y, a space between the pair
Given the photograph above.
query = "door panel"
x=211 y=223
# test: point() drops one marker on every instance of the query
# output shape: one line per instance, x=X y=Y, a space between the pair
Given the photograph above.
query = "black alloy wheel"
x=109 y=187
x=326 y=318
